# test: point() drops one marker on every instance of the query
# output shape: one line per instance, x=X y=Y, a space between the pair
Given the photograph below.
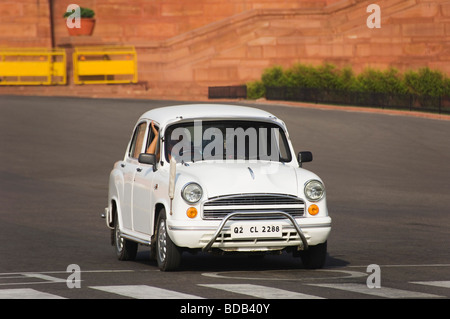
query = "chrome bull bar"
x=243 y=214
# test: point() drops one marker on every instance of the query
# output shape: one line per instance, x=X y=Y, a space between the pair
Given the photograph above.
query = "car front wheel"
x=168 y=255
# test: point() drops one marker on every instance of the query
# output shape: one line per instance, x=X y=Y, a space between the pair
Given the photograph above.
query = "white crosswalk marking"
x=379 y=292
x=443 y=284
x=258 y=291
x=45 y=277
x=145 y=292
x=261 y=291
x=26 y=293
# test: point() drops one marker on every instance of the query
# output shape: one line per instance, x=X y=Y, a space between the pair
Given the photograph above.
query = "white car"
x=219 y=178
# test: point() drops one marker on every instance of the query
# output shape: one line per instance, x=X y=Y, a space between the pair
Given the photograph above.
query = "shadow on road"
x=238 y=262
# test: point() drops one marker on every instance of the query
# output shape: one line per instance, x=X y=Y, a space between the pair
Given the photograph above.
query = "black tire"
x=168 y=255
x=124 y=248
x=315 y=256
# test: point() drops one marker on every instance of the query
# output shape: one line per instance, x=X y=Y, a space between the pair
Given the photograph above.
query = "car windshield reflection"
x=226 y=140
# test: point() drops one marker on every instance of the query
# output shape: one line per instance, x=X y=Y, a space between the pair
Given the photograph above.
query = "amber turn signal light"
x=313 y=209
x=191 y=212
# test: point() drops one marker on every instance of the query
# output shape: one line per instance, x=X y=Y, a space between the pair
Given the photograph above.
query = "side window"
x=138 y=140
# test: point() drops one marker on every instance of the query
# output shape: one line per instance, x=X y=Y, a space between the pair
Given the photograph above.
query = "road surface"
x=388 y=190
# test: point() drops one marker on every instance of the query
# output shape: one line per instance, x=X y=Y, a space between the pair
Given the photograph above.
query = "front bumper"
x=206 y=235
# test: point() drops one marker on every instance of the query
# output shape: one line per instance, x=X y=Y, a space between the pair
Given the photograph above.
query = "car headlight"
x=314 y=190
x=192 y=193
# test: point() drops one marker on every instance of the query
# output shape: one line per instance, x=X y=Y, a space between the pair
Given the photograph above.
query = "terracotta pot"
x=87 y=27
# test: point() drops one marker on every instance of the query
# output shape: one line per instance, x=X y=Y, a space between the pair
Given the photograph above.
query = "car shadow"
x=208 y=262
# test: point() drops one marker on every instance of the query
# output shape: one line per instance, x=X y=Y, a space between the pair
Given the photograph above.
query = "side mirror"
x=304 y=157
x=145 y=158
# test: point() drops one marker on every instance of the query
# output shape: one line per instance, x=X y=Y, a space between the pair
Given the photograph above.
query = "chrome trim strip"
x=230 y=216
x=192 y=228
x=252 y=194
x=133 y=238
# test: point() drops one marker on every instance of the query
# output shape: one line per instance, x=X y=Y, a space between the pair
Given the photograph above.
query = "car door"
x=129 y=167
x=143 y=192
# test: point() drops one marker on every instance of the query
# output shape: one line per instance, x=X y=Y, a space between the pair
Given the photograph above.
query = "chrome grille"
x=219 y=207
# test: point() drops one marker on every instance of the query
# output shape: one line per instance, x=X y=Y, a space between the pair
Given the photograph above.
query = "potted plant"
x=85 y=24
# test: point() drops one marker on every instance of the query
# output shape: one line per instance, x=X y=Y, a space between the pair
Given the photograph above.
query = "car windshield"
x=226 y=140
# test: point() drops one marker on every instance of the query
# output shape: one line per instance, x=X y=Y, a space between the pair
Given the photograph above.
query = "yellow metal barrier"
x=94 y=65
x=32 y=66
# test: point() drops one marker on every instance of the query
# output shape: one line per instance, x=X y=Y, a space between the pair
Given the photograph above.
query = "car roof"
x=169 y=114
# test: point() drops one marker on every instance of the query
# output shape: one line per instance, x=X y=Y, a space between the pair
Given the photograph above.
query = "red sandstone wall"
x=413 y=34
x=24 y=23
x=185 y=46
x=138 y=21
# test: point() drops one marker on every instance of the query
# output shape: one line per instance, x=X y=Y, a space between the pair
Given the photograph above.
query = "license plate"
x=256 y=230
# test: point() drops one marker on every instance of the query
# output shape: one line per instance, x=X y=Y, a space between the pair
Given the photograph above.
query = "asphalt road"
x=388 y=191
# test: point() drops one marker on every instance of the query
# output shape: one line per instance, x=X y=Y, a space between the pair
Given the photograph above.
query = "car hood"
x=240 y=178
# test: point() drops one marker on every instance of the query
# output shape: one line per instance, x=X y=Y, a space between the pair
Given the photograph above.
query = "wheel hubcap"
x=119 y=240
x=162 y=241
